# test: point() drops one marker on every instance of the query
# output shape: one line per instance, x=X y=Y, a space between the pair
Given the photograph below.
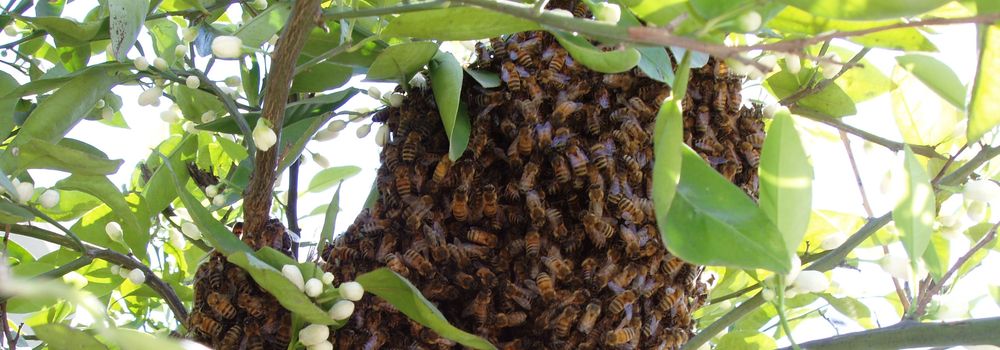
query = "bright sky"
x=834 y=186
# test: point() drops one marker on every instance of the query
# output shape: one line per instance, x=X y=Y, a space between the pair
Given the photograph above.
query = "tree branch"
x=111 y=256
x=906 y=335
x=924 y=150
x=257 y=196
x=934 y=287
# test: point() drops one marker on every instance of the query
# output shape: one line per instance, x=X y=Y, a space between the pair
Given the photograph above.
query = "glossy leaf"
x=134 y=339
x=864 y=82
x=136 y=235
x=330 y=220
x=127 y=17
x=68 y=32
x=746 y=340
x=398 y=63
x=62 y=337
x=458 y=23
x=213 y=231
x=163 y=31
x=159 y=190
x=984 y=111
x=406 y=298
x=11 y=213
x=668 y=136
x=294 y=112
x=936 y=75
x=37 y=154
x=656 y=64
x=329 y=177
x=660 y=12
x=792 y=20
x=260 y=29
x=485 y=79
x=288 y=295
x=712 y=222
x=786 y=180
x=936 y=256
x=615 y=61
x=832 y=100
x=914 y=213
x=446 y=77
x=321 y=77
x=866 y=9
x=72 y=204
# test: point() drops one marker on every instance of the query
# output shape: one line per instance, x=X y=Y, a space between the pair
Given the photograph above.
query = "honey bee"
x=581 y=10
x=565 y=320
x=251 y=305
x=751 y=155
x=482 y=55
x=464 y=280
x=441 y=170
x=618 y=81
x=565 y=109
x=522 y=57
x=708 y=143
x=479 y=308
x=486 y=277
x=233 y=337
x=730 y=169
x=490 y=205
x=460 y=204
x=204 y=324
x=588 y=266
x=512 y=319
x=561 y=169
x=589 y=318
x=594 y=123
x=702 y=119
x=529 y=176
x=626 y=276
x=535 y=209
x=403 y=185
x=519 y=295
x=395 y=264
x=481 y=237
x=499 y=46
x=534 y=90
x=525 y=140
x=510 y=75
x=621 y=301
x=221 y=305
x=636 y=104
x=410 y=146
x=631 y=241
x=543 y=133
x=554 y=79
x=669 y=298
x=558 y=61
x=546 y=286
x=597 y=229
x=619 y=336
x=577 y=160
x=557 y=266
x=622 y=114
x=532 y=243
x=672 y=266
x=626 y=204
x=602 y=153
x=418 y=262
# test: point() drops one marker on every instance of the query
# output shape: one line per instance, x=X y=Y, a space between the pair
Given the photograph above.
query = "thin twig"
x=291 y=208
x=806 y=92
x=924 y=150
x=934 y=287
x=22 y=40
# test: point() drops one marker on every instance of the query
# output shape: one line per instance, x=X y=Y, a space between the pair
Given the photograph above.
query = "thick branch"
x=111 y=256
x=905 y=335
x=257 y=198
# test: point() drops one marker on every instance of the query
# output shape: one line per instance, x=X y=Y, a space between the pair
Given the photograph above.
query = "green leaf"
x=936 y=256
x=458 y=23
x=852 y=308
x=655 y=62
x=864 y=82
x=615 y=61
x=133 y=339
x=321 y=77
x=793 y=21
x=11 y=213
x=712 y=222
x=288 y=295
x=398 y=63
x=72 y=204
x=486 y=79
x=159 y=190
x=234 y=150
x=194 y=102
x=446 y=77
x=38 y=154
x=936 y=75
x=746 y=340
x=866 y=9
x=62 y=337
x=127 y=17
x=213 y=231
x=659 y=12
x=330 y=220
x=67 y=32
x=163 y=31
x=668 y=136
x=407 y=299
x=251 y=80
x=984 y=111
x=260 y=29
x=294 y=112
x=6 y=184
x=328 y=177
x=832 y=100
x=786 y=180
x=914 y=214
x=136 y=235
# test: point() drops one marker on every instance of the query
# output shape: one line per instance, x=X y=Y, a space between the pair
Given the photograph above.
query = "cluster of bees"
x=230 y=310
x=542 y=235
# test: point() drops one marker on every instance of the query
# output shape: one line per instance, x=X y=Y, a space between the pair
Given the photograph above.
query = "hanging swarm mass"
x=542 y=235
x=230 y=310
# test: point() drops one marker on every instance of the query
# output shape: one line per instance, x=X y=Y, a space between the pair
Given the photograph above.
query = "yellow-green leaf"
x=914 y=214
x=458 y=23
x=866 y=9
x=936 y=75
x=786 y=180
x=614 y=61
x=984 y=109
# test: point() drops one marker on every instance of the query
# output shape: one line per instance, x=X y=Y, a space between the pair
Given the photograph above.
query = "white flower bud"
x=190 y=33
x=293 y=274
x=263 y=136
x=170 y=116
x=150 y=97
x=607 y=12
x=328 y=278
x=737 y=67
x=313 y=334
x=341 y=310
x=811 y=281
x=325 y=135
x=794 y=272
x=180 y=51
x=208 y=116
x=833 y=241
x=791 y=293
x=418 y=81
x=49 y=199
x=336 y=125
x=767 y=294
x=313 y=287
x=769 y=61
x=219 y=200
x=561 y=12
x=233 y=81
x=352 y=291
x=227 y=47
x=114 y=231
x=192 y=82
x=107 y=113
x=981 y=190
x=324 y=345
x=363 y=131
x=177 y=239
x=320 y=160
x=10 y=30
x=191 y=230
x=115 y=269
x=100 y=104
x=382 y=136
x=396 y=99
x=793 y=64
x=160 y=64
x=259 y=4
x=141 y=63
x=273 y=40
x=374 y=92
x=25 y=190
x=137 y=277
x=896 y=265
x=976 y=211
x=211 y=190
x=750 y=22
x=773 y=109
x=75 y=279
